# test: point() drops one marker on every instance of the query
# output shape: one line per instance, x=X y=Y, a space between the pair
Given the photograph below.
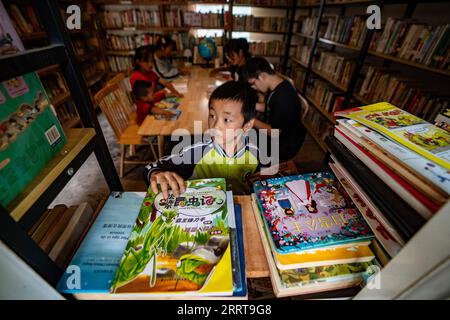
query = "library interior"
x=225 y=149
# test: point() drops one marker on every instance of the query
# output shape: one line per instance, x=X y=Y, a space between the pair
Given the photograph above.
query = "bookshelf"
x=318 y=29
x=19 y=217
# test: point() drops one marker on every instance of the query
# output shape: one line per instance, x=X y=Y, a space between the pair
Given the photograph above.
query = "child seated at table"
x=225 y=152
x=145 y=98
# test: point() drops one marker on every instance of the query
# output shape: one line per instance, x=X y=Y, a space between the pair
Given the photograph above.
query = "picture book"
x=310 y=280
x=170 y=103
x=30 y=134
x=93 y=266
x=309 y=211
x=317 y=257
x=430 y=172
x=283 y=169
x=179 y=245
x=10 y=42
x=414 y=133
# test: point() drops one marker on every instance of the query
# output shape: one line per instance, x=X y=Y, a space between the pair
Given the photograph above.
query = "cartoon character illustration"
x=312 y=207
x=435 y=141
x=6 y=43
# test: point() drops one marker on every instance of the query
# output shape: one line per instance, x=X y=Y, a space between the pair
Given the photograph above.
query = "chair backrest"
x=116 y=105
x=124 y=83
x=305 y=106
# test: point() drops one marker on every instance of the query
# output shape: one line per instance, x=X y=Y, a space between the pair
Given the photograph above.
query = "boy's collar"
x=237 y=154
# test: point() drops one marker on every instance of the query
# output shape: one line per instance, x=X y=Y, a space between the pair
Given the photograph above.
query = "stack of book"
x=132 y=18
x=205 y=20
x=172 y=16
x=251 y=23
x=395 y=166
x=334 y=66
x=313 y=236
x=145 y=246
x=420 y=43
x=269 y=48
x=350 y=30
x=381 y=84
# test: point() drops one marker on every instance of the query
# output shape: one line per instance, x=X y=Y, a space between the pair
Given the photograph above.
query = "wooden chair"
x=305 y=106
x=120 y=112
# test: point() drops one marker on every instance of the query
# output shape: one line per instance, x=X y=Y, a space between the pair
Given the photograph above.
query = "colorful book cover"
x=175 y=116
x=94 y=265
x=170 y=103
x=30 y=134
x=179 y=245
x=434 y=173
x=317 y=257
x=309 y=211
x=418 y=135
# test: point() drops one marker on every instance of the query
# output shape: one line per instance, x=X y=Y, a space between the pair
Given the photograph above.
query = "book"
x=175 y=116
x=180 y=245
x=309 y=211
x=55 y=230
x=287 y=168
x=432 y=174
x=170 y=103
x=443 y=120
x=413 y=197
x=414 y=133
x=100 y=252
x=30 y=134
x=48 y=220
x=240 y=267
x=309 y=280
x=317 y=257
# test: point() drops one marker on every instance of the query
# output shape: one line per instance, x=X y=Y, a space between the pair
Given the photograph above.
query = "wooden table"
x=194 y=107
x=255 y=259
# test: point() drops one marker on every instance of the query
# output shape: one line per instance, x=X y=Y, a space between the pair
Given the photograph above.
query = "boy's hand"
x=167 y=179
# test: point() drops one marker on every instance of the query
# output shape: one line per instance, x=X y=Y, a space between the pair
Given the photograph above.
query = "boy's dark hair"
x=239 y=92
x=140 y=88
x=234 y=45
x=165 y=41
x=255 y=66
x=143 y=53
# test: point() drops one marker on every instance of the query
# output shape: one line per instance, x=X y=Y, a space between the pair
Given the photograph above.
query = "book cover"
x=99 y=254
x=179 y=245
x=175 y=116
x=317 y=257
x=309 y=211
x=413 y=132
x=30 y=134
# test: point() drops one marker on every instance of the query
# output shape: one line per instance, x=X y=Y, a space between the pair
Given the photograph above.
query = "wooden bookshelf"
x=337 y=44
x=302 y=35
x=317 y=106
x=77 y=139
x=349 y=2
x=90 y=81
x=34 y=36
x=297 y=61
x=409 y=63
x=151 y=29
x=69 y=124
x=48 y=70
x=60 y=99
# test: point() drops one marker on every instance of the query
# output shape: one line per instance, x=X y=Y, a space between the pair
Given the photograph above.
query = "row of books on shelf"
x=420 y=43
x=397 y=164
x=261 y=24
x=350 y=30
x=298 y=75
x=336 y=67
x=24 y=18
x=131 y=42
x=54 y=85
x=136 y=17
x=145 y=246
x=269 y=48
x=320 y=126
x=306 y=25
x=412 y=95
x=324 y=95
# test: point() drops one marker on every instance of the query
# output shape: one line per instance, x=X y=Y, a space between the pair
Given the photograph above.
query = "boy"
x=227 y=153
x=282 y=109
x=145 y=97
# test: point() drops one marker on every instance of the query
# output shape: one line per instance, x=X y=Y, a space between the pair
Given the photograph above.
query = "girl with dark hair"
x=162 y=57
x=143 y=70
x=237 y=53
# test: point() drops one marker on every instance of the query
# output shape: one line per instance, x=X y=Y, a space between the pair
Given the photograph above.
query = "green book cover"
x=30 y=134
